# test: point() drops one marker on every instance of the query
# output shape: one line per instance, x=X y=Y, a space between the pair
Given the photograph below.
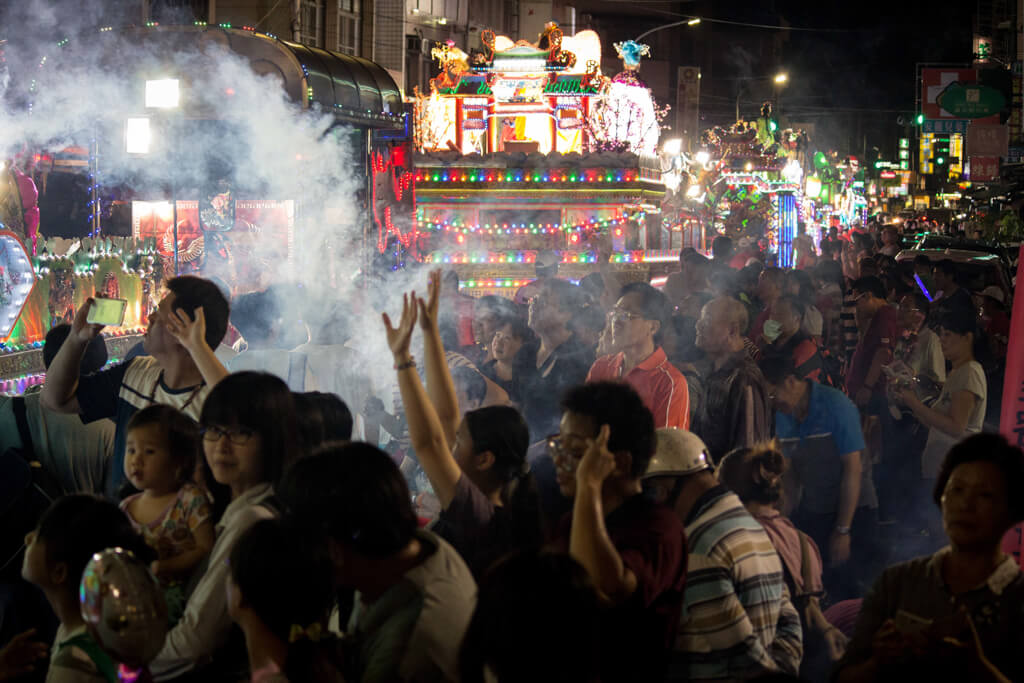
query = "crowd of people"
x=603 y=481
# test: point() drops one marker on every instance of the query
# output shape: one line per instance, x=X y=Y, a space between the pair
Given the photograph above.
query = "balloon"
x=123 y=606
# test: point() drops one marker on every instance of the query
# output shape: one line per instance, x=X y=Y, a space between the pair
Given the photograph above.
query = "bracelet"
x=842 y=530
x=411 y=363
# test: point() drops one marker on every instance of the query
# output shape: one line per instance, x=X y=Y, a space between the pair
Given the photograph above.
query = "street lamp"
x=781 y=78
x=692 y=21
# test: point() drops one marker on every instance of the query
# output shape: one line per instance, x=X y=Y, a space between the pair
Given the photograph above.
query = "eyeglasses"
x=623 y=314
x=557 y=449
x=238 y=437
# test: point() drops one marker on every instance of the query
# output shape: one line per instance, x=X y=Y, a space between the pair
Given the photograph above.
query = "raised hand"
x=81 y=329
x=400 y=337
x=597 y=462
x=190 y=333
x=20 y=655
x=429 y=308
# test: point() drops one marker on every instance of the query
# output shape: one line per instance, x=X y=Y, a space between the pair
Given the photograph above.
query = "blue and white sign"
x=945 y=126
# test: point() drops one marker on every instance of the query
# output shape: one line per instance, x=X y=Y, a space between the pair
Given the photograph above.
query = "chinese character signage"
x=564 y=84
x=984 y=169
x=945 y=126
x=986 y=140
x=971 y=101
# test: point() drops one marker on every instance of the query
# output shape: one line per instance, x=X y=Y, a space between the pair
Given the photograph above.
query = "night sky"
x=850 y=83
x=855 y=83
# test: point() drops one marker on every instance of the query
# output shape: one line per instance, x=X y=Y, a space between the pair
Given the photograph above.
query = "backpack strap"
x=21 y=419
x=104 y=664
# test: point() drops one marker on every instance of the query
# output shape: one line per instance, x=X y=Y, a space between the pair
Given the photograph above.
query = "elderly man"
x=738 y=621
x=738 y=411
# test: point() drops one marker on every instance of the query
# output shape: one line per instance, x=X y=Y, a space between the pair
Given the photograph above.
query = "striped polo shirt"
x=121 y=391
x=738 y=621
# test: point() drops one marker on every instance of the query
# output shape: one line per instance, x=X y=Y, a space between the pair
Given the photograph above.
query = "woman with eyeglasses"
x=489 y=500
x=249 y=435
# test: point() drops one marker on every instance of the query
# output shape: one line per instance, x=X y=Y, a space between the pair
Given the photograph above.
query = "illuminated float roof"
x=542 y=97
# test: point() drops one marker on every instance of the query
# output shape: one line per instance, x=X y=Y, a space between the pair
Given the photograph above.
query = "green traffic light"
x=920 y=119
x=940 y=160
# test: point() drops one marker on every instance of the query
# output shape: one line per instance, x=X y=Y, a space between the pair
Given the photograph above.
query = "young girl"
x=248 y=436
x=280 y=592
x=488 y=498
x=171 y=513
x=71 y=531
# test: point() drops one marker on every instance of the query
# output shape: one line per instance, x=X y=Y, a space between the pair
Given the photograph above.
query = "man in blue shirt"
x=829 y=484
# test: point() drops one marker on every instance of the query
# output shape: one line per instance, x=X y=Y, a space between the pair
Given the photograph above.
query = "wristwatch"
x=843 y=530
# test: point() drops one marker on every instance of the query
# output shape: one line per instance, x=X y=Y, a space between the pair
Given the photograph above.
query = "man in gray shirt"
x=414 y=594
x=76 y=455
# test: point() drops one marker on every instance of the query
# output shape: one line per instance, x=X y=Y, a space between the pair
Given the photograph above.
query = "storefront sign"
x=945 y=126
x=934 y=82
x=986 y=140
x=971 y=101
x=984 y=169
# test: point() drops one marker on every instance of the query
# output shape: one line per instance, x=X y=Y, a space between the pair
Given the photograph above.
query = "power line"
x=775 y=27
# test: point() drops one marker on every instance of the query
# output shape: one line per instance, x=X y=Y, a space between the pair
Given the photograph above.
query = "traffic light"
x=920 y=119
x=941 y=150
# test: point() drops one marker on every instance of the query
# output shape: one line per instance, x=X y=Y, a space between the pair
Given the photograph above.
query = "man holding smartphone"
x=179 y=370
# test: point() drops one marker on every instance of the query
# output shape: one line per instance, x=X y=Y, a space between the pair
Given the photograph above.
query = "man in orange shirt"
x=641 y=363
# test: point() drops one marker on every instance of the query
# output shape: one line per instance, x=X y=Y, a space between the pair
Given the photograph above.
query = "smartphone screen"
x=107 y=311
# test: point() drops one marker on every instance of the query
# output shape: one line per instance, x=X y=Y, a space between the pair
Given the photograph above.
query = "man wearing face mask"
x=769 y=288
x=785 y=338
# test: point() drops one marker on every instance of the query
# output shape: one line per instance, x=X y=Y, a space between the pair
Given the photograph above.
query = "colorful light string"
x=527 y=228
x=508 y=175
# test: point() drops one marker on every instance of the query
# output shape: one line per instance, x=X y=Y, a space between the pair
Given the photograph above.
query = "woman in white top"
x=960 y=408
x=249 y=437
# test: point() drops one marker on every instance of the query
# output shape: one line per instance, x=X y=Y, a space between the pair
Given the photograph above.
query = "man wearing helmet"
x=738 y=621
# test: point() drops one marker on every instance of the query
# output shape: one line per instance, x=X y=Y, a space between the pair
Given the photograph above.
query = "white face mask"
x=772 y=330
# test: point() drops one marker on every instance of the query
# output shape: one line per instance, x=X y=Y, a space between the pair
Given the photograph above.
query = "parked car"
x=978 y=270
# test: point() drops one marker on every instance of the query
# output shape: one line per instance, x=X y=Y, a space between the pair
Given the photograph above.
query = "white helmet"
x=678 y=452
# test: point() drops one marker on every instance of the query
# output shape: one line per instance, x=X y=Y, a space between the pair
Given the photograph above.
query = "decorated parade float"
x=745 y=182
x=526 y=147
x=163 y=190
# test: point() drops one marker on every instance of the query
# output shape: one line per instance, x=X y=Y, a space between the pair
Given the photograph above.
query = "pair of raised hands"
x=414 y=308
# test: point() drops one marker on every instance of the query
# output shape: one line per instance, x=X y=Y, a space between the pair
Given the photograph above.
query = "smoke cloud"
x=232 y=127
